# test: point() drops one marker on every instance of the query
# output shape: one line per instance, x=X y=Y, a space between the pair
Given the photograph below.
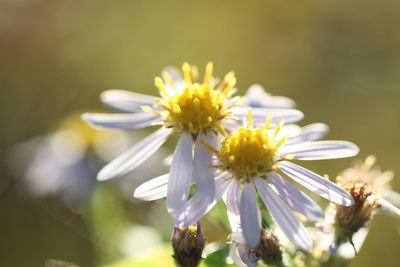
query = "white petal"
x=295 y=198
x=249 y=215
x=231 y=124
x=347 y=251
x=290 y=130
x=196 y=208
x=317 y=184
x=180 y=173
x=311 y=132
x=120 y=121
x=391 y=196
x=256 y=97
x=202 y=173
x=260 y=114
x=290 y=225
x=320 y=150
x=237 y=237
x=135 y=156
x=281 y=102
x=255 y=91
x=232 y=201
x=235 y=256
x=387 y=207
x=126 y=101
x=153 y=189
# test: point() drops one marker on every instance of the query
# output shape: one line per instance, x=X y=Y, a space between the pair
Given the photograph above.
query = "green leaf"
x=217 y=258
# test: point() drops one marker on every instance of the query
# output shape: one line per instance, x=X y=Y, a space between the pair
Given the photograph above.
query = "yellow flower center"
x=198 y=107
x=250 y=152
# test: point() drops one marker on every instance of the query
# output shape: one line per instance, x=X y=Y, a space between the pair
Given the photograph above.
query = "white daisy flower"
x=196 y=110
x=249 y=160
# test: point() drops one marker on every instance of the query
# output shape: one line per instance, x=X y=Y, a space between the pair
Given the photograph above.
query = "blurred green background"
x=339 y=60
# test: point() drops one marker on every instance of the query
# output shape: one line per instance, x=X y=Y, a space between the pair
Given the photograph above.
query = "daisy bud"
x=188 y=244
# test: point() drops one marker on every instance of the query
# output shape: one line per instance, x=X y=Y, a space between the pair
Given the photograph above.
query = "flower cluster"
x=235 y=149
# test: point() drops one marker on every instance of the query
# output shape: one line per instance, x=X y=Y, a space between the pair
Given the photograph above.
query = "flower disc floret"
x=248 y=153
x=196 y=107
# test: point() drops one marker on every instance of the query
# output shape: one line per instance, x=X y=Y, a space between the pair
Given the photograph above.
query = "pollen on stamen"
x=279 y=127
x=151 y=110
x=186 y=73
x=250 y=118
x=208 y=73
x=250 y=152
x=195 y=74
x=229 y=86
x=196 y=107
x=167 y=78
x=268 y=121
x=160 y=85
x=228 y=77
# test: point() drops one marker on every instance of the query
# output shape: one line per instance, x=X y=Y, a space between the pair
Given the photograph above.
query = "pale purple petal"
x=290 y=130
x=121 y=121
x=153 y=189
x=347 y=250
x=249 y=215
x=203 y=174
x=311 y=132
x=290 y=225
x=387 y=207
x=135 y=156
x=320 y=150
x=296 y=199
x=180 y=175
x=317 y=184
x=232 y=201
x=126 y=101
x=196 y=208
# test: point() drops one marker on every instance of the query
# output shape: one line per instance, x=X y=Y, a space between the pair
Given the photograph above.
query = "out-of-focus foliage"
x=339 y=60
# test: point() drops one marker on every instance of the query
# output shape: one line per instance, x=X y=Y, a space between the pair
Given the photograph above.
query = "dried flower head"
x=271 y=252
x=368 y=186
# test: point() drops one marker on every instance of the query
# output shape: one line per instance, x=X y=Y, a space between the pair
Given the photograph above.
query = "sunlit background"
x=339 y=60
